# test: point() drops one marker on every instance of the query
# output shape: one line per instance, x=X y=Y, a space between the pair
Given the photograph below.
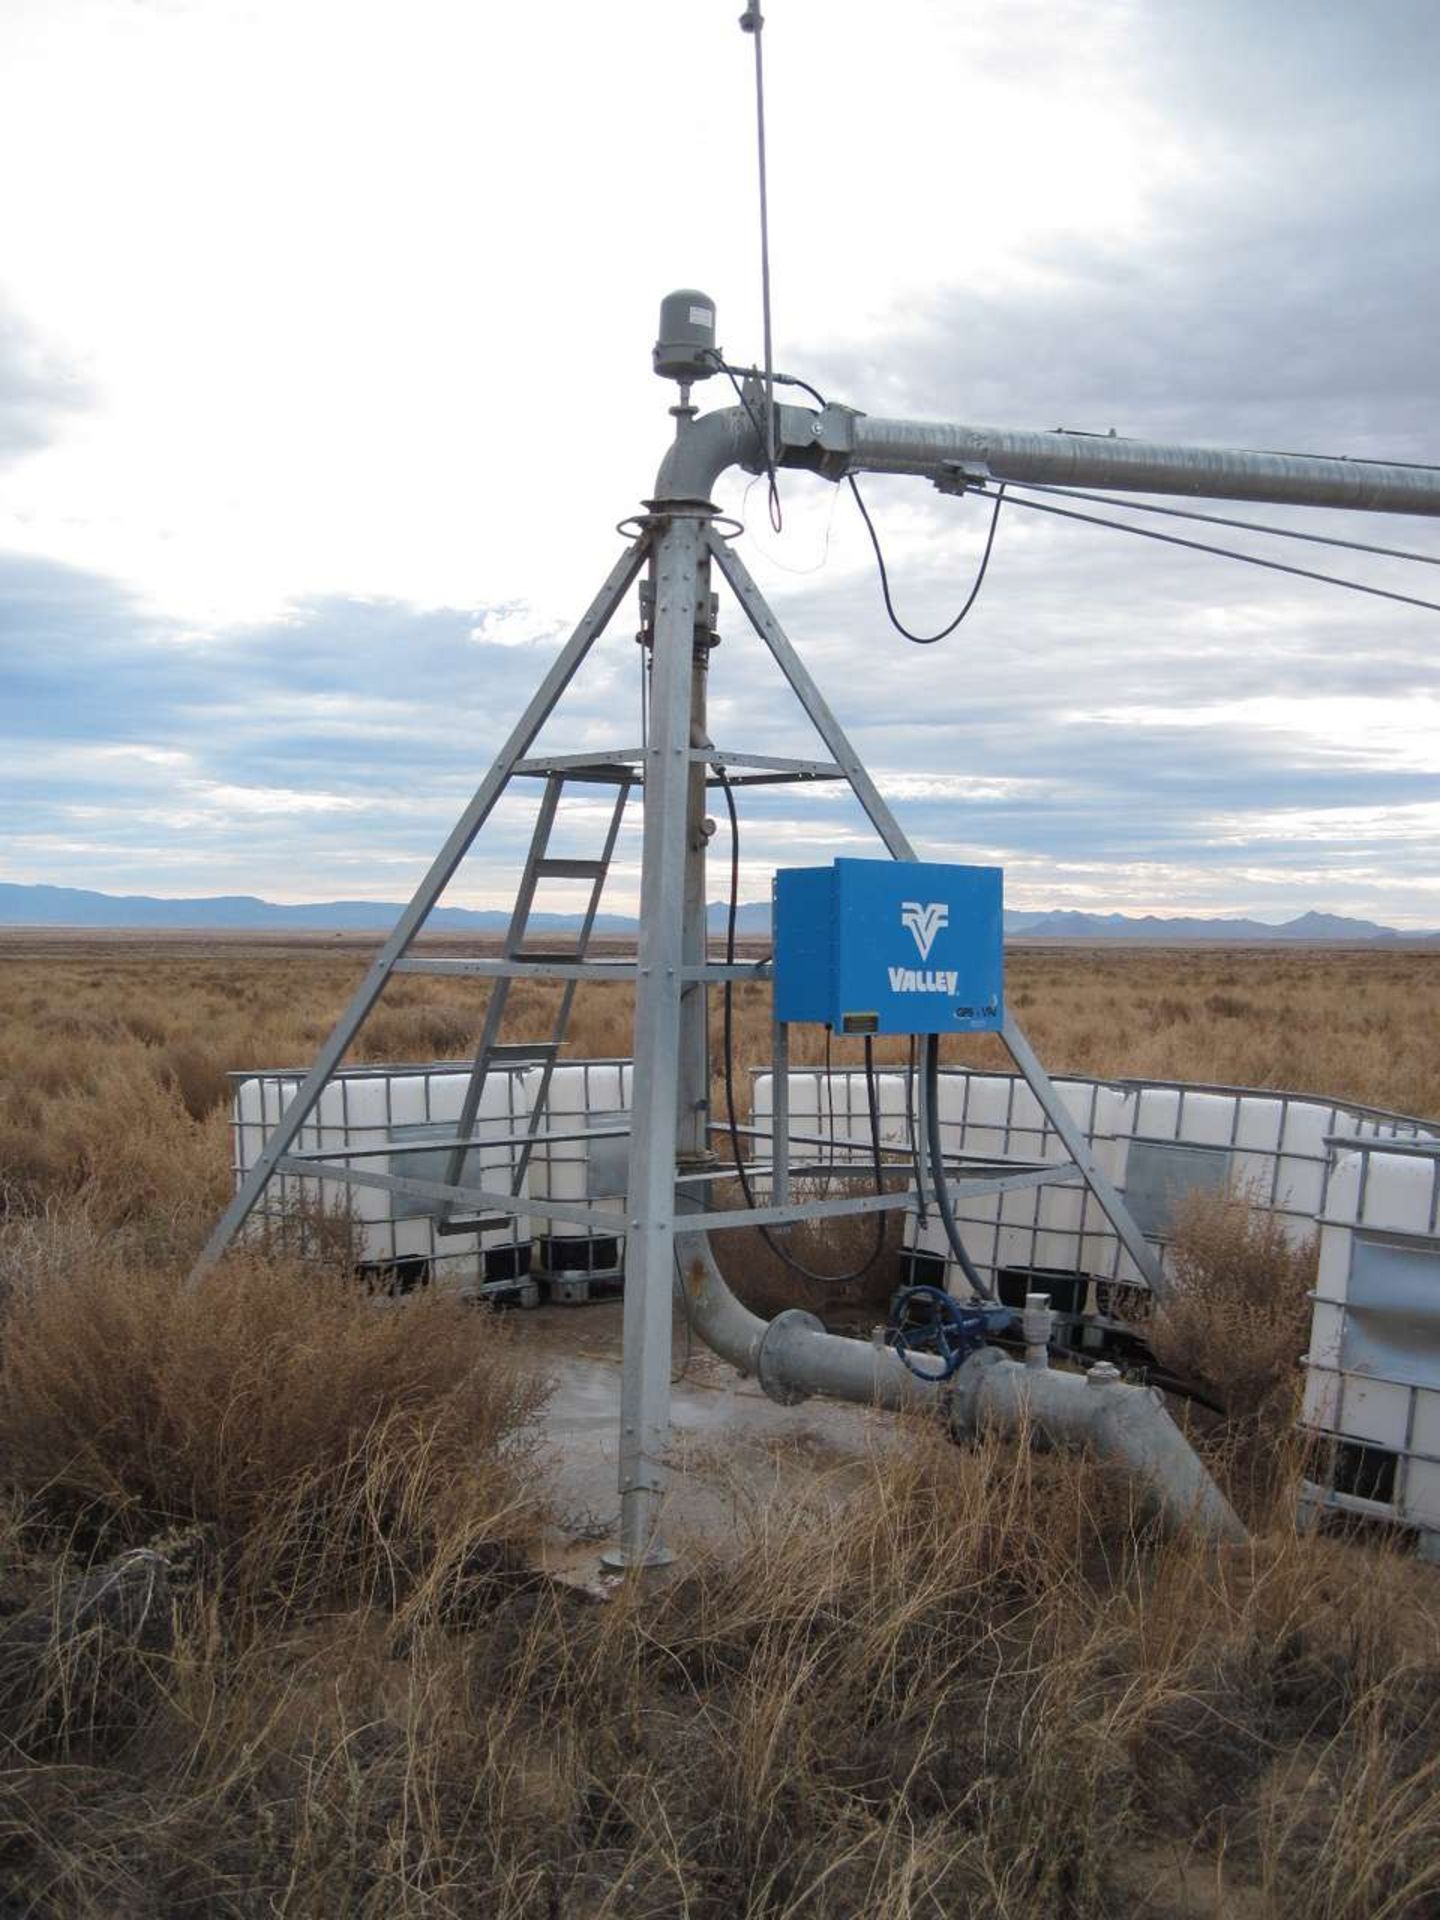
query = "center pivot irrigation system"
x=865 y=947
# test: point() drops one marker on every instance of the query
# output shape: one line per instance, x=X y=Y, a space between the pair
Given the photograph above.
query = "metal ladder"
x=540 y=865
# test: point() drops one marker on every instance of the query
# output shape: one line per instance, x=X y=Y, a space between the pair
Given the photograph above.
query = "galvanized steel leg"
x=1078 y=1148
x=562 y=670
x=681 y=576
x=811 y=699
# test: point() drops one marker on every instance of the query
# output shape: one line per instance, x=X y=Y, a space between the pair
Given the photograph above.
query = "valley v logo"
x=924 y=922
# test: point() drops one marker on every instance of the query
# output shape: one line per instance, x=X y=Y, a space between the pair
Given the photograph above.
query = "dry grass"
x=971 y=1690
x=1239 y=1317
x=963 y=1683
x=114 y=1052
x=844 y=1270
x=1236 y=1327
x=331 y=1441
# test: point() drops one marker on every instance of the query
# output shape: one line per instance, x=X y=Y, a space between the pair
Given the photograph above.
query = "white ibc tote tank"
x=1372 y=1372
x=996 y=1116
x=830 y=1111
x=371 y=1107
x=585 y=1096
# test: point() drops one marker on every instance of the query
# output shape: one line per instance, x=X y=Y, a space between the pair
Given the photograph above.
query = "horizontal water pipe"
x=839 y=440
x=792 y=1357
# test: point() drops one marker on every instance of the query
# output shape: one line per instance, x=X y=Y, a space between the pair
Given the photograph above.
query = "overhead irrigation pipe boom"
x=837 y=441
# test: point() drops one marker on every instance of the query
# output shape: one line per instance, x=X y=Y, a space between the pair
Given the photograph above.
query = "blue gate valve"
x=928 y=1323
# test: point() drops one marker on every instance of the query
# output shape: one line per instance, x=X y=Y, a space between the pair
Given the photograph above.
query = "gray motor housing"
x=685 y=350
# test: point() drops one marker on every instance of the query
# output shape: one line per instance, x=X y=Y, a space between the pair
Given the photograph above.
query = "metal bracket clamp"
x=707 y=618
x=962 y=476
x=822 y=443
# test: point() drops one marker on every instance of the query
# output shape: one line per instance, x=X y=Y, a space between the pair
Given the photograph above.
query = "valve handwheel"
x=928 y=1324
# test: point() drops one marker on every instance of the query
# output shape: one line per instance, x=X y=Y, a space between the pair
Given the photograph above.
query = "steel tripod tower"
x=679 y=539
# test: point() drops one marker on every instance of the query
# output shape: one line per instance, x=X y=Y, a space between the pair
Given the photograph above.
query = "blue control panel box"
x=890 y=946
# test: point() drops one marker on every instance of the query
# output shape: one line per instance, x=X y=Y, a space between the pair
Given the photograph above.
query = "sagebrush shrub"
x=336 y=1440
x=1238 y=1318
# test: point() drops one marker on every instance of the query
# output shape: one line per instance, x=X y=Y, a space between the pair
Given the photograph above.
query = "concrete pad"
x=732 y=1447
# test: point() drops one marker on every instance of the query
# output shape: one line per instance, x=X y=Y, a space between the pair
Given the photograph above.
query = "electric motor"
x=685 y=350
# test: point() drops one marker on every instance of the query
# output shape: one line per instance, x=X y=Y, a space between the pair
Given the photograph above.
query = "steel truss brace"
x=890 y=831
x=562 y=671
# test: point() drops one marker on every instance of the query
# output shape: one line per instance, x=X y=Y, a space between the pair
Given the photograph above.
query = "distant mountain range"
x=1151 y=926
x=244 y=913
x=40 y=906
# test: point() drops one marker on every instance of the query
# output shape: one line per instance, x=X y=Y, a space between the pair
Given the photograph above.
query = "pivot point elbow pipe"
x=793 y=1357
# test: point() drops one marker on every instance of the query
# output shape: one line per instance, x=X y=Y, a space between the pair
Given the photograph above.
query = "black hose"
x=917 y=1156
x=783 y=1253
x=937 y=1170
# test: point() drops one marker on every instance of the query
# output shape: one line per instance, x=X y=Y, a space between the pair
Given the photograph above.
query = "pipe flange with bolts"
x=771 y=1368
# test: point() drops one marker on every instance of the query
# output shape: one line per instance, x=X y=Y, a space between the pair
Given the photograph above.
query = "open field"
x=114 y=1050
x=940 y=1682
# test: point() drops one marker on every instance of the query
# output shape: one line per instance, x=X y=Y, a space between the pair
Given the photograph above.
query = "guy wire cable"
x=1221 y=520
x=1223 y=553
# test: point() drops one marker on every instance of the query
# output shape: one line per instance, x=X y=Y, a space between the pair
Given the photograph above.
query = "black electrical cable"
x=917 y=1157
x=920 y=639
x=782 y=1253
x=937 y=1170
x=1223 y=553
x=929 y=639
x=829 y=1110
x=1222 y=520
x=794 y=380
x=743 y=398
x=776 y=379
x=644 y=652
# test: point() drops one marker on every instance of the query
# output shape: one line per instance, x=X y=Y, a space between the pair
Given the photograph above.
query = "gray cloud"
x=36 y=390
x=1282 y=294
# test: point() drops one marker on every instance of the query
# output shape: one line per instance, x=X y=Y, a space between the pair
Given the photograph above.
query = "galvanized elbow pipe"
x=1128 y=1427
x=701 y=451
x=793 y=1357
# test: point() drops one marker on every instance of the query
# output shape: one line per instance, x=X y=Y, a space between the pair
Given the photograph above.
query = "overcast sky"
x=324 y=378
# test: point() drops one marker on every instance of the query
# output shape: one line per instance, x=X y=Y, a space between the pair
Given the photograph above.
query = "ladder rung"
x=531 y=966
x=621 y=766
x=548 y=869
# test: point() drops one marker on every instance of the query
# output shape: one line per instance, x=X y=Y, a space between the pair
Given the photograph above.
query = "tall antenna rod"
x=752 y=22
